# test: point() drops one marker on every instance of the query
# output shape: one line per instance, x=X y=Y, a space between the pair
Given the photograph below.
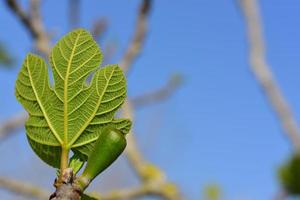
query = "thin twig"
x=153 y=179
x=131 y=53
x=134 y=47
x=132 y=152
x=98 y=28
x=25 y=189
x=109 y=51
x=158 y=95
x=136 y=193
x=12 y=124
x=281 y=195
x=264 y=74
x=22 y=15
x=141 y=167
x=74 y=13
x=132 y=193
x=33 y=23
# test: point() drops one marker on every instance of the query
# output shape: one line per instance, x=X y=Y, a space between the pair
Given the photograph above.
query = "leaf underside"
x=72 y=112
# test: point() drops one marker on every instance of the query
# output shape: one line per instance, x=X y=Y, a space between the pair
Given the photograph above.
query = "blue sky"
x=218 y=127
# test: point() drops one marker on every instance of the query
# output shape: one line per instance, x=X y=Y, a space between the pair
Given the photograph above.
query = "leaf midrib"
x=99 y=102
x=41 y=105
x=65 y=144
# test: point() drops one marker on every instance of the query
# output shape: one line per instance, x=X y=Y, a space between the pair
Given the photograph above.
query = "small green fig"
x=109 y=146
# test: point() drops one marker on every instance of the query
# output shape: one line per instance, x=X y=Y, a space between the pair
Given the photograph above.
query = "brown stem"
x=66 y=188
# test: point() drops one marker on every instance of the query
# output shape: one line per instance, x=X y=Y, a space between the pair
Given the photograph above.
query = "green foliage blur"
x=212 y=192
x=6 y=59
x=289 y=175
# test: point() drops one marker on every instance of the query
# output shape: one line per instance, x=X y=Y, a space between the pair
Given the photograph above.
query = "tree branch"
x=159 y=95
x=148 y=173
x=33 y=23
x=26 y=189
x=136 y=193
x=281 y=195
x=74 y=13
x=134 y=47
x=264 y=75
x=98 y=28
x=12 y=124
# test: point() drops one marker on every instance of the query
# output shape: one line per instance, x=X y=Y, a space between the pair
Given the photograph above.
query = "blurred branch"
x=33 y=23
x=135 y=193
x=24 y=189
x=133 y=154
x=74 y=13
x=132 y=193
x=160 y=94
x=109 y=51
x=98 y=28
x=6 y=59
x=9 y=126
x=132 y=151
x=134 y=47
x=148 y=173
x=264 y=74
x=281 y=196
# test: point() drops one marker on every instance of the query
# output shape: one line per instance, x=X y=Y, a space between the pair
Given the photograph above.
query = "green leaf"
x=76 y=163
x=71 y=113
x=88 y=197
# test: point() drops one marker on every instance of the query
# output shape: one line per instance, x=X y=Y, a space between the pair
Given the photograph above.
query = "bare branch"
x=23 y=16
x=132 y=51
x=33 y=23
x=109 y=51
x=281 y=195
x=97 y=30
x=148 y=173
x=138 y=192
x=12 y=124
x=158 y=95
x=74 y=13
x=99 y=27
x=25 y=189
x=133 y=154
x=139 y=37
x=264 y=74
x=132 y=193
